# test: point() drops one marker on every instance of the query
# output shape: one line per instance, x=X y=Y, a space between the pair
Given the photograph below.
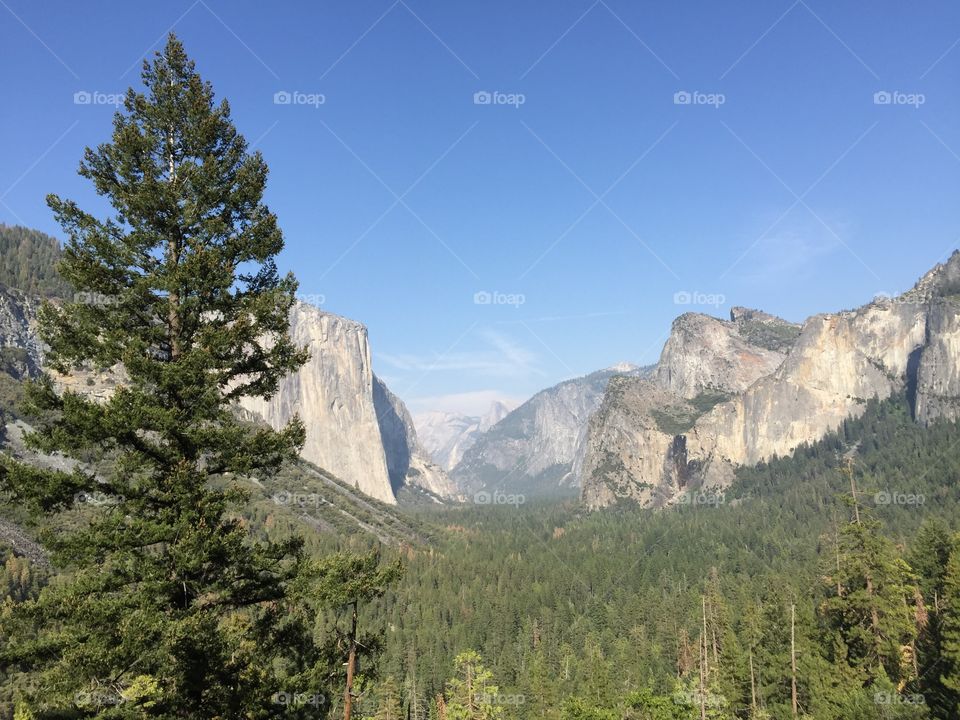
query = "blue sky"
x=496 y=248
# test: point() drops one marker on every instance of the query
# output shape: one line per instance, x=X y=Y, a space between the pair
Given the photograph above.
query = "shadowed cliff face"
x=333 y=394
x=356 y=428
x=407 y=462
x=740 y=392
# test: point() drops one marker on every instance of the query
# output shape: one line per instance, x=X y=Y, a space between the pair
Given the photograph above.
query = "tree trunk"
x=703 y=664
x=351 y=665
x=174 y=324
x=793 y=660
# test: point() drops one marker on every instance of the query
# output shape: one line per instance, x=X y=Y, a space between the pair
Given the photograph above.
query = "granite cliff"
x=737 y=392
x=533 y=447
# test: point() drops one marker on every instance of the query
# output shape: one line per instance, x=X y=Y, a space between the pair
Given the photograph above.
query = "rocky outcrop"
x=647 y=447
x=447 y=436
x=627 y=445
x=21 y=351
x=333 y=395
x=706 y=354
x=408 y=463
x=533 y=448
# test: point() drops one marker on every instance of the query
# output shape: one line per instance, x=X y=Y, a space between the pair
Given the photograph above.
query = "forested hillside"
x=576 y=614
x=28 y=260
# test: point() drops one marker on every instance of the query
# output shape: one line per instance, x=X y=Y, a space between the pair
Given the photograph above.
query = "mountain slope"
x=333 y=395
x=447 y=436
x=533 y=447
x=408 y=463
x=908 y=344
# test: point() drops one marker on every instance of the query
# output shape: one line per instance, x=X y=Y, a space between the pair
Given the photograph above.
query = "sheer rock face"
x=837 y=364
x=938 y=365
x=625 y=448
x=706 y=354
x=356 y=428
x=644 y=446
x=408 y=463
x=534 y=446
x=333 y=394
x=18 y=316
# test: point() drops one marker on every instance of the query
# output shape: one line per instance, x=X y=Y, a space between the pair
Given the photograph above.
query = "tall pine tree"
x=166 y=606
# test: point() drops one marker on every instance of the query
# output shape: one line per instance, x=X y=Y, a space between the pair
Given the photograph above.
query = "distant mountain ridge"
x=533 y=447
x=447 y=436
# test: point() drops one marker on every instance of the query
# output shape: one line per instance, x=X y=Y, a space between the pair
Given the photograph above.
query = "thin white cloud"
x=498 y=356
x=789 y=251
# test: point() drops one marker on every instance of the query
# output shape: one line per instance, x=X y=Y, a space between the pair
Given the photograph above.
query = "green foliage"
x=471 y=693
x=601 y=606
x=165 y=605
x=951 y=628
x=778 y=336
x=681 y=417
x=389 y=707
x=28 y=262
